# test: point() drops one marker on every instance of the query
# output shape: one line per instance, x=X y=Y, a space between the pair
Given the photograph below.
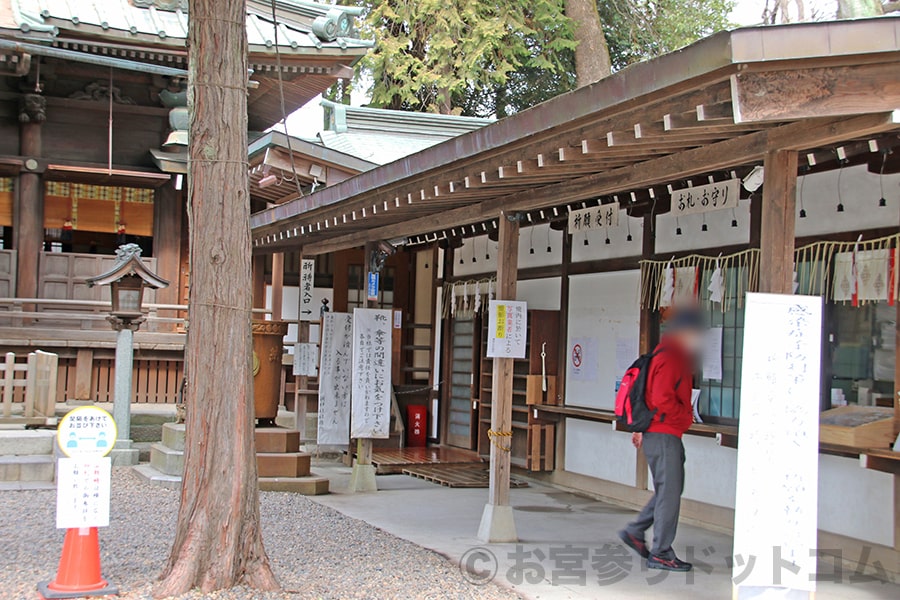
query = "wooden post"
x=167 y=216
x=363 y=477
x=258 y=270
x=649 y=336
x=776 y=256
x=277 y=285
x=497 y=524
x=84 y=372
x=28 y=217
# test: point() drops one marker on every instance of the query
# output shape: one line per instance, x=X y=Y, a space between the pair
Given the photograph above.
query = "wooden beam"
x=815 y=92
x=496 y=529
x=727 y=154
x=648 y=336
x=28 y=216
x=776 y=252
x=168 y=210
x=258 y=274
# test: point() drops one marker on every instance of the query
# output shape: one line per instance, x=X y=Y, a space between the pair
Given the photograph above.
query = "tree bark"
x=853 y=9
x=218 y=543
x=592 y=61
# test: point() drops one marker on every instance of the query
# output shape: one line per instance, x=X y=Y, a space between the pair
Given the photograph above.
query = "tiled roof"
x=303 y=25
x=383 y=136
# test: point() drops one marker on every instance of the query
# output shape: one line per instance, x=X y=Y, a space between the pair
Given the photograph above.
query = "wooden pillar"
x=28 y=217
x=497 y=524
x=776 y=235
x=277 y=285
x=648 y=336
x=167 y=217
x=259 y=281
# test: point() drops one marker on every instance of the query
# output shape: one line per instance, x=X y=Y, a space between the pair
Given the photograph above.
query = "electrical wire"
x=281 y=98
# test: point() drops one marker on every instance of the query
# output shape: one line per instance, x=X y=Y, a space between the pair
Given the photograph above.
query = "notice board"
x=335 y=378
x=778 y=448
x=370 y=414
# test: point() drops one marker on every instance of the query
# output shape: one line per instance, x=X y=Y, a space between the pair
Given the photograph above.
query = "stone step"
x=312 y=485
x=173 y=436
x=286 y=464
x=25 y=442
x=33 y=467
x=152 y=475
x=167 y=460
x=277 y=439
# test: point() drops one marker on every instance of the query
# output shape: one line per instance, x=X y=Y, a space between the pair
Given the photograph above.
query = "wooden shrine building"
x=798 y=123
x=93 y=139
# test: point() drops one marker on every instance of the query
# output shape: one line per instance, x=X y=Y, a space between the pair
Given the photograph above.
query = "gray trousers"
x=665 y=456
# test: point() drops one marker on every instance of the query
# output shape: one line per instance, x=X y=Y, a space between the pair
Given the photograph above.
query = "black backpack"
x=632 y=411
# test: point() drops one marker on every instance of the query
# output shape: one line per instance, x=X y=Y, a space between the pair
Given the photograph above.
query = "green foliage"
x=438 y=55
x=641 y=29
x=495 y=58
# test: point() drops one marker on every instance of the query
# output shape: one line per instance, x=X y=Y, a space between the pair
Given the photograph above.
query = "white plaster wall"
x=603 y=307
x=539 y=237
x=860 y=191
x=855 y=502
x=595 y=450
x=720 y=232
x=618 y=247
x=710 y=471
x=540 y=294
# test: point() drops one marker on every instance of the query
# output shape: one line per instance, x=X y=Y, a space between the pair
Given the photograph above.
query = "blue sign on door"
x=373 y=287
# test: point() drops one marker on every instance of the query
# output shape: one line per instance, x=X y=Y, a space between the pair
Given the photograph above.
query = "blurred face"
x=691 y=340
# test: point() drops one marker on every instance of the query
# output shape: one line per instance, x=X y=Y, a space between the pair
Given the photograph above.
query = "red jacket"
x=669 y=386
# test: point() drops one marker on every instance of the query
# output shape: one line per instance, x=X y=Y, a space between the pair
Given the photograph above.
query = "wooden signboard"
x=370 y=414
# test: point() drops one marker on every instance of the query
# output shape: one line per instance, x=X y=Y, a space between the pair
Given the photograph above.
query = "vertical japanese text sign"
x=372 y=286
x=507 y=329
x=307 y=283
x=335 y=378
x=778 y=447
x=85 y=435
x=370 y=413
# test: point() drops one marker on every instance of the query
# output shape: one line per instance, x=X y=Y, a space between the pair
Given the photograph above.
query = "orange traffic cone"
x=79 y=568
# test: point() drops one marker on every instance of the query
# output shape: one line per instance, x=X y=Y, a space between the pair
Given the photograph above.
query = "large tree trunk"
x=853 y=9
x=218 y=543
x=592 y=62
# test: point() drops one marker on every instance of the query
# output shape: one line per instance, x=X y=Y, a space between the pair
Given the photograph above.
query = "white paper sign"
x=507 y=329
x=307 y=310
x=370 y=412
x=626 y=353
x=306 y=359
x=778 y=446
x=82 y=492
x=597 y=217
x=583 y=359
x=335 y=379
x=705 y=198
x=712 y=354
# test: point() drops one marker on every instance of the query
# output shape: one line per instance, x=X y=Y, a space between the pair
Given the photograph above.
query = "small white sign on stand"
x=85 y=435
x=306 y=359
x=778 y=448
x=370 y=410
x=507 y=329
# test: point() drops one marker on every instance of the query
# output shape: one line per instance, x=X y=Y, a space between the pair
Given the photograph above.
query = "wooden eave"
x=714 y=106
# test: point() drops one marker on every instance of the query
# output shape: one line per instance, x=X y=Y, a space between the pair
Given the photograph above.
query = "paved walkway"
x=568 y=546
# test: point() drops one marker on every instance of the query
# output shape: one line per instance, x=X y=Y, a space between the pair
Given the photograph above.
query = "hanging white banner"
x=705 y=198
x=335 y=379
x=597 y=217
x=370 y=414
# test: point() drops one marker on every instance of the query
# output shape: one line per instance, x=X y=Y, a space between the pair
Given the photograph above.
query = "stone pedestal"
x=362 y=479
x=497 y=525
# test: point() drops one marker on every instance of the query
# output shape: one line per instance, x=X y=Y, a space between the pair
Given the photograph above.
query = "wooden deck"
x=469 y=475
x=391 y=461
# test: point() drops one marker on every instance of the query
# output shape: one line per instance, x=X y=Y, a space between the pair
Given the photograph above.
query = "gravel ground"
x=316 y=552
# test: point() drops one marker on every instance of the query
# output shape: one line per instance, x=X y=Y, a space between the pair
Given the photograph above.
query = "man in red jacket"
x=669 y=385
